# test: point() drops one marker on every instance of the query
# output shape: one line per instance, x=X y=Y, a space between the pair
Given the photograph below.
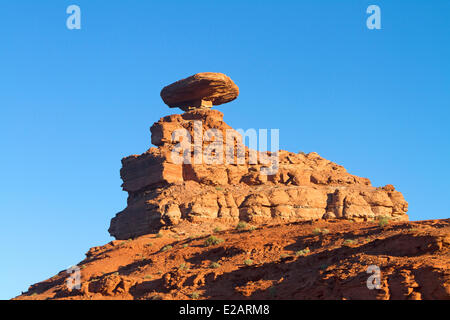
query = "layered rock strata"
x=163 y=192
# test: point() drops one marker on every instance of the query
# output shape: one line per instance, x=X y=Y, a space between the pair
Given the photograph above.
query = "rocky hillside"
x=325 y=259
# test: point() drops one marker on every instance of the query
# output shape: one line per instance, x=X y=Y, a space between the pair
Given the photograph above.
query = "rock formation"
x=202 y=90
x=312 y=231
x=163 y=192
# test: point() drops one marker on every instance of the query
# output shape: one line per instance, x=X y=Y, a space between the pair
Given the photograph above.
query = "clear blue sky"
x=74 y=102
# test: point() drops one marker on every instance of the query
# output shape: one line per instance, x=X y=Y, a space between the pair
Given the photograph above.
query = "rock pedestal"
x=305 y=187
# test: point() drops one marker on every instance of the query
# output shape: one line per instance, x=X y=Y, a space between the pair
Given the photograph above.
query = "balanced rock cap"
x=202 y=90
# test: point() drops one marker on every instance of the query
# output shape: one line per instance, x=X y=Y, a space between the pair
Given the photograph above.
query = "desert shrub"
x=217 y=229
x=212 y=240
x=241 y=225
x=349 y=242
x=318 y=231
x=383 y=221
x=195 y=295
x=302 y=252
x=248 y=262
x=159 y=235
x=183 y=266
x=168 y=247
x=214 y=265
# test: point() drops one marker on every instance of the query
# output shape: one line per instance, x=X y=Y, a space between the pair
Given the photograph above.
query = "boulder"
x=202 y=90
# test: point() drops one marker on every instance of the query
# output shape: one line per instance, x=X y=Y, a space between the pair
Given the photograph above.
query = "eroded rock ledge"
x=306 y=187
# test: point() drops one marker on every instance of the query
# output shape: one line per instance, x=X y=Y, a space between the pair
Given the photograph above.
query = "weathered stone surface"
x=150 y=168
x=306 y=187
x=202 y=90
